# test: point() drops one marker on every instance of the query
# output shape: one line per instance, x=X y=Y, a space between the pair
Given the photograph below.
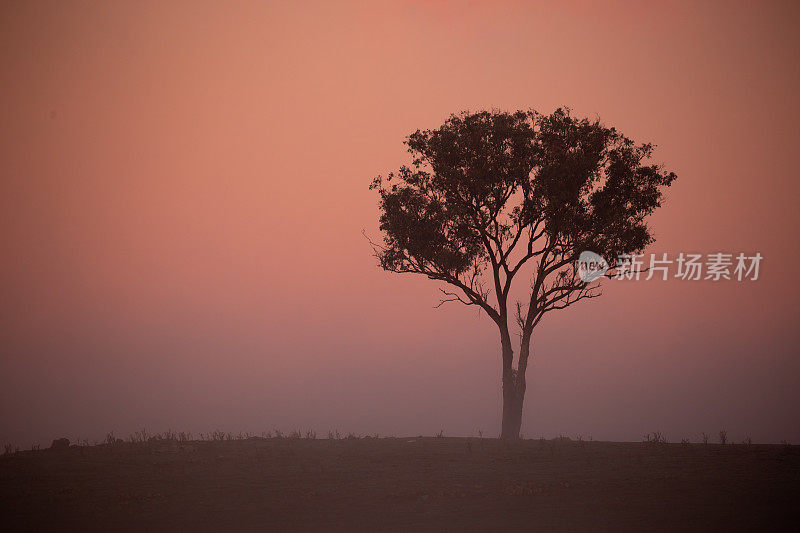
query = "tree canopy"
x=495 y=190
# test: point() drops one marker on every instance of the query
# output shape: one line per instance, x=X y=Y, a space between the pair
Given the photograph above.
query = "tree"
x=491 y=194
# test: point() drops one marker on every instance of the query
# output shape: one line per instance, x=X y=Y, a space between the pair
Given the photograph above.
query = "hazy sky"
x=184 y=187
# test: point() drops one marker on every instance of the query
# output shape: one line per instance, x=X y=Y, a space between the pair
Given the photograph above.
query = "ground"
x=401 y=484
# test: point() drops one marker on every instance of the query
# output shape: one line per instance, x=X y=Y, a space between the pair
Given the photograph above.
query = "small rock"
x=60 y=444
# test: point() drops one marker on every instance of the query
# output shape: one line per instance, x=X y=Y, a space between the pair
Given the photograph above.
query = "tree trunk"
x=514 y=389
x=513 y=400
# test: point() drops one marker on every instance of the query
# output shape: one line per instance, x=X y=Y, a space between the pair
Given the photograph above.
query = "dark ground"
x=408 y=484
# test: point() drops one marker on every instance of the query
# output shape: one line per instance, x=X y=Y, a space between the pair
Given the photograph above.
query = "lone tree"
x=489 y=195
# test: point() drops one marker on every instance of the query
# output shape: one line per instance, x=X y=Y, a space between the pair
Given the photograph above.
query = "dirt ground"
x=402 y=484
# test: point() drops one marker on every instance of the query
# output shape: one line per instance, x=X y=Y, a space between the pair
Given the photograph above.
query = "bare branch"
x=452 y=297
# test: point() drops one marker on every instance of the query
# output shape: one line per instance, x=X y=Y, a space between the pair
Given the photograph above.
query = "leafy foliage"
x=485 y=187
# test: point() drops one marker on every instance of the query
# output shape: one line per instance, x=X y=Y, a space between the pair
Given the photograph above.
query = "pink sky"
x=184 y=188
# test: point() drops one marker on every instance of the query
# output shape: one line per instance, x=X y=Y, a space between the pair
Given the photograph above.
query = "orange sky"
x=184 y=187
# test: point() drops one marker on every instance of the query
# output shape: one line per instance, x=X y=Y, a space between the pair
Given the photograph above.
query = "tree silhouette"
x=491 y=194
